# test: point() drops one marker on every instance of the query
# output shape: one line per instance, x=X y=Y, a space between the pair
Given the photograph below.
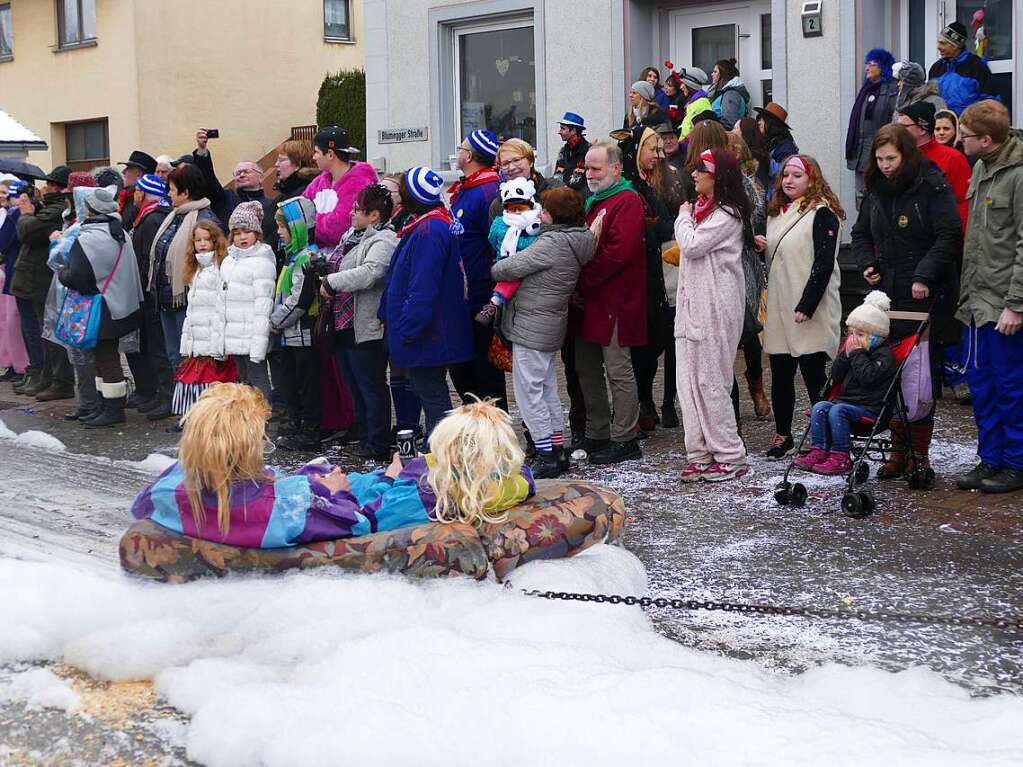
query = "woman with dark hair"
x=946 y=129
x=653 y=76
x=187 y=191
x=424 y=305
x=729 y=97
x=778 y=138
x=709 y=315
x=874 y=107
x=747 y=129
x=804 y=311
x=356 y=287
x=907 y=239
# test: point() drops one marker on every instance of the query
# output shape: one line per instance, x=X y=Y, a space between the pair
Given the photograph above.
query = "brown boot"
x=761 y=406
x=920 y=435
x=898 y=458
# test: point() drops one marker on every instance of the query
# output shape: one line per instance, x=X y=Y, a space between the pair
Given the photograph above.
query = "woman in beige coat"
x=804 y=312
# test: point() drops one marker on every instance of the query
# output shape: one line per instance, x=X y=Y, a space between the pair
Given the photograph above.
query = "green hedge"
x=342 y=101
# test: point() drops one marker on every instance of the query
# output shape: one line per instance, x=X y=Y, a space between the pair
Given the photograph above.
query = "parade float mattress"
x=562 y=519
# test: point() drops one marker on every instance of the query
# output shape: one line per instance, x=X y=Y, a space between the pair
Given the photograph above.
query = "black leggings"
x=108 y=361
x=783 y=385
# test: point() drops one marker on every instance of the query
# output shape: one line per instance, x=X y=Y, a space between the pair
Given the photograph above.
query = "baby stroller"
x=909 y=398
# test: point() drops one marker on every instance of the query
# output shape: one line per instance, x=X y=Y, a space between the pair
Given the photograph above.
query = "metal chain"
x=1009 y=624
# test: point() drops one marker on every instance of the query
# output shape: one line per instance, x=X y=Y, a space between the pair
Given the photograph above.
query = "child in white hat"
x=865 y=367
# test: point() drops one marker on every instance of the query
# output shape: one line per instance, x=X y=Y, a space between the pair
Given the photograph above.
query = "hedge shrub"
x=342 y=101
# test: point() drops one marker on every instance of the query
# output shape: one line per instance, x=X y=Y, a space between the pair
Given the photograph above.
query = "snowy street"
x=278 y=671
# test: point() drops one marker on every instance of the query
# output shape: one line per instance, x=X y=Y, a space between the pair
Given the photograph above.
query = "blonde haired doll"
x=220 y=490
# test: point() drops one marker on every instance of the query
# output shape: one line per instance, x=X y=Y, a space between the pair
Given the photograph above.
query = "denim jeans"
x=31 y=331
x=431 y=386
x=172 y=320
x=831 y=422
x=365 y=372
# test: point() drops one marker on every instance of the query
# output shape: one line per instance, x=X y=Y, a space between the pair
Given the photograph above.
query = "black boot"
x=617 y=452
x=161 y=411
x=31 y=378
x=1003 y=481
x=305 y=441
x=114 y=396
x=972 y=479
x=545 y=465
x=564 y=461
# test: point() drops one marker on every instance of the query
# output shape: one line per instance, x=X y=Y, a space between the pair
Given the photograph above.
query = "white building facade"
x=437 y=69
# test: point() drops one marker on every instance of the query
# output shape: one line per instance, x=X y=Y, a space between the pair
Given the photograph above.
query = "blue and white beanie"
x=424 y=184
x=484 y=142
x=152 y=184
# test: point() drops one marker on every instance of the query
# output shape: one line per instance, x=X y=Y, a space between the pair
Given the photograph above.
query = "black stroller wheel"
x=853 y=506
x=797 y=496
x=862 y=473
x=781 y=494
x=867 y=499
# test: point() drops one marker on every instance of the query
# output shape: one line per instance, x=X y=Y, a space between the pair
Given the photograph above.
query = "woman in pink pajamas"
x=709 y=314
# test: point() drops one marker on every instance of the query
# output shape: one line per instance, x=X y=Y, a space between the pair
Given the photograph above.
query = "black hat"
x=59 y=176
x=185 y=158
x=141 y=160
x=707 y=115
x=333 y=137
x=922 y=113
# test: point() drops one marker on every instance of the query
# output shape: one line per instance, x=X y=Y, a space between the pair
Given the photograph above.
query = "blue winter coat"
x=471 y=209
x=9 y=246
x=424 y=308
x=963 y=80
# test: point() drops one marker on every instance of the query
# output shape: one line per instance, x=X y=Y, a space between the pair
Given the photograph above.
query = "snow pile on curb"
x=374 y=669
x=39 y=439
x=154 y=463
x=39 y=688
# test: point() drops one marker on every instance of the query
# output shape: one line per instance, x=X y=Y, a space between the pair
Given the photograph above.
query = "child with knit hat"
x=865 y=367
x=514 y=230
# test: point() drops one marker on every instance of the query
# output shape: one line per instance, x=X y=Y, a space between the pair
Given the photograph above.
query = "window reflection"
x=995 y=28
x=497 y=78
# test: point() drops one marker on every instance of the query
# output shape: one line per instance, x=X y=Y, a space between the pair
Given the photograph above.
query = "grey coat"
x=537 y=317
x=886 y=97
x=361 y=273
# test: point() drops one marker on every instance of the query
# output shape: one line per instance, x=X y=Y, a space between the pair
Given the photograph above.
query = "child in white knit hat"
x=865 y=367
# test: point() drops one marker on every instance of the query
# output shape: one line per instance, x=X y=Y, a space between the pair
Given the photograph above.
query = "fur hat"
x=248 y=217
x=518 y=190
x=884 y=60
x=102 y=200
x=872 y=315
x=644 y=89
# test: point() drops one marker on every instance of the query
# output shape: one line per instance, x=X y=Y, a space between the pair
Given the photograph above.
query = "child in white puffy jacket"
x=202 y=335
x=247 y=295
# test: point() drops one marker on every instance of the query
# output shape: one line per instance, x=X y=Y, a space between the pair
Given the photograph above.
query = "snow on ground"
x=39 y=688
x=39 y=439
x=320 y=666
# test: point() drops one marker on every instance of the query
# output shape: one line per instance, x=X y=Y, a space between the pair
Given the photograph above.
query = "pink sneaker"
x=811 y=459
x=837 y=463
x=693 y=472
x=719 y=472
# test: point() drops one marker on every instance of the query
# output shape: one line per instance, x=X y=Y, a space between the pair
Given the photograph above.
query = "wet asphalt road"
x=942 y=552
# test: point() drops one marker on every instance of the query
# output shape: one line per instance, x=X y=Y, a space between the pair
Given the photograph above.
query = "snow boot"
x=114 y=397
x=545 y=465
x=90 y=403
x=898 y=458
x=920 y=437
x=40 y=382
x=761 y=407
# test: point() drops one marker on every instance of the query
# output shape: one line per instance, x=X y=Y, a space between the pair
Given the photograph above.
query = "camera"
x=318 y=265
x=212 y=133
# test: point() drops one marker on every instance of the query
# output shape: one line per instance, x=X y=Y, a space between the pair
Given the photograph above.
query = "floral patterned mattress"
x=562 y=519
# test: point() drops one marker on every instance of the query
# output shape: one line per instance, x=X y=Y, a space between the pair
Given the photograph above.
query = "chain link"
x=1008 y=624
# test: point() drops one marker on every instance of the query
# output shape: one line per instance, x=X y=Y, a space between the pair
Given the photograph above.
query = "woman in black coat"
x=907 y=239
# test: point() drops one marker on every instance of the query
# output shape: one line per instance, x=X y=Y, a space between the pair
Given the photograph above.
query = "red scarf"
x=477 y=178
x=440 y=214
x=704 y=206
x=574 y=141
x=145 y=210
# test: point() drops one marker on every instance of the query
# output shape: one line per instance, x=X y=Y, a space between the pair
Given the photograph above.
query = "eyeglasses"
x=968 y=135
x=509 y=162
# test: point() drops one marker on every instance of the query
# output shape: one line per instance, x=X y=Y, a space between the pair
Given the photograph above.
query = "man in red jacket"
x=613 y=291
x=918 y=119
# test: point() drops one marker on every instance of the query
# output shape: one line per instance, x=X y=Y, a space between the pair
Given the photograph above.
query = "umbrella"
x=25 y=170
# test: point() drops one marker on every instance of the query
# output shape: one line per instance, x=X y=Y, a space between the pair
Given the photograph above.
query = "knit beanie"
x=921 y=112
x=910 y=73
x=79 y=178
x=424 y=184
x=872 y=315
x=483 y=142
x=694 y=78
x=248 y=217
x=152 y=184
x=955 y=33
x=644 y=89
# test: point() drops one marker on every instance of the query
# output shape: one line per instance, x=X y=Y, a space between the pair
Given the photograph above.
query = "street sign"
x=402 y=135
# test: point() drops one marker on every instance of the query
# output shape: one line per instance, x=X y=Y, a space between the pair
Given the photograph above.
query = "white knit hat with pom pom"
x=872 y=315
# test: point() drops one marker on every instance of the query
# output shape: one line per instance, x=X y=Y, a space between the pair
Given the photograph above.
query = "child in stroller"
x=865 y=367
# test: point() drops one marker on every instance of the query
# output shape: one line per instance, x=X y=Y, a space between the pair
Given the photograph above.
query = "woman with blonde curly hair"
x=804 y=312
x=220 y=489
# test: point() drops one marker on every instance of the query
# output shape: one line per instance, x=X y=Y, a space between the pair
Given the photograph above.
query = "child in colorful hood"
x=220 y=490
x=865 y=368
x=514 y=230
x=296 y=307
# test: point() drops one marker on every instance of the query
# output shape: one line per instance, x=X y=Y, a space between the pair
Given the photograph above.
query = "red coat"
x=956 y=169
x=613 y=284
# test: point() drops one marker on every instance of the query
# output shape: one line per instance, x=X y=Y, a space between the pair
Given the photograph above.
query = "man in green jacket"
x=991 y=298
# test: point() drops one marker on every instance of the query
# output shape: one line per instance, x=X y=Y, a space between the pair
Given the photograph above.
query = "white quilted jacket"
x=203 y=332
x=246 y=299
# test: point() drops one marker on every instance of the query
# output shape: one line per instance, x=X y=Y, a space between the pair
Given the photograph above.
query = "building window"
x=996 y=40
x=765 y=41
x=76 y=22
x=6 y=33
x=87 y=144
x=495 y=79
x=337 y=20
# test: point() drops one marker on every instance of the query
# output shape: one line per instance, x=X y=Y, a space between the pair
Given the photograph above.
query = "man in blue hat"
x=571 y=165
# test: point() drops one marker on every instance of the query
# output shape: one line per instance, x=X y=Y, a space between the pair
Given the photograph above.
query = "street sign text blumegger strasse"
x=400 y=135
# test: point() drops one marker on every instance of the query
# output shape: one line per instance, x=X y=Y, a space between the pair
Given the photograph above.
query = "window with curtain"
x=337 y=20
x=76 y=22
x=6 y=34
x=87 y=144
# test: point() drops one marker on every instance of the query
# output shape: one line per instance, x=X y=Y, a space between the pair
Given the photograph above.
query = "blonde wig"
x=222 y=442
x=474 y=450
